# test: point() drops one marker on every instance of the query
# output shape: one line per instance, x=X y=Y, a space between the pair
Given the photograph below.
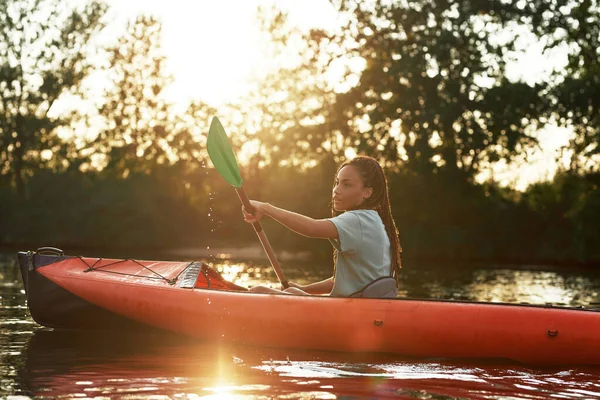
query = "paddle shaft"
x=262 y=236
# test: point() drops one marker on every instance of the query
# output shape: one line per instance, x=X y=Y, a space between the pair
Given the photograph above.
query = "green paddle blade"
x=221 y=154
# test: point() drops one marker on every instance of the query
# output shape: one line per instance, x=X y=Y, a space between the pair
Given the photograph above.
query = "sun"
x=215 y=49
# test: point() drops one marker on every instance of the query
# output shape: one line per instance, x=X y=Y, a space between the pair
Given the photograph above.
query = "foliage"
x=284 y=120
x=433 y=90
x=423 y=86
x=574 y=27
x=553 y=222
x=44 y=48
x=141 y=129
x=75 y=209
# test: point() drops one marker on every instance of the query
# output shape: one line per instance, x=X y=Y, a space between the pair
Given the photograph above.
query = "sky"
x=214 y=47
x=215 y=51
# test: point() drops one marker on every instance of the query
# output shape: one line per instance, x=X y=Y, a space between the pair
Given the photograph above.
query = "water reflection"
x=509 y=286
x=71 y=364
x=536 y=287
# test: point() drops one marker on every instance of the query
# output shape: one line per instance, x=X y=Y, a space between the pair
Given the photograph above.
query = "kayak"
x=191 y=299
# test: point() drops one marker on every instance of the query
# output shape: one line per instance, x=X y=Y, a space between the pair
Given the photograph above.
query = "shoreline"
x=248 y=252
x=255 y=252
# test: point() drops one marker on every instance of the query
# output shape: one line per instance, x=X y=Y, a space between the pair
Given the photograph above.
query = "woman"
x=362 y=231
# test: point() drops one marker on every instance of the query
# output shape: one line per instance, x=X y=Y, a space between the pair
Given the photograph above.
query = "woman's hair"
x=373 y=177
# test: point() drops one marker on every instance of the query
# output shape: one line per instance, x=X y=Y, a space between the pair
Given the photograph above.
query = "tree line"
x=422 y=86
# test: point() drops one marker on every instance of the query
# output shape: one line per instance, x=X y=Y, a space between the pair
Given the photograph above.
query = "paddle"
x=221 y=155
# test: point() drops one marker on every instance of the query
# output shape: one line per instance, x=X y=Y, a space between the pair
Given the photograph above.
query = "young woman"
x=362 y=231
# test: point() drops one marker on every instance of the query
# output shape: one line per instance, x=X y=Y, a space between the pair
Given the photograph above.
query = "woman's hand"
x=259 y=211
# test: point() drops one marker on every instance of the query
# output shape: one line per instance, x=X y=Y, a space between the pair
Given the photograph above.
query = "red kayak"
x=191 y=299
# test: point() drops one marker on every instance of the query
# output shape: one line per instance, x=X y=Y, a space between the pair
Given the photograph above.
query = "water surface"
x=43 y=363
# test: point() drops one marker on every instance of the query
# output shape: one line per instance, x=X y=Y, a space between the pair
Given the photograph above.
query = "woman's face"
x=349 y=191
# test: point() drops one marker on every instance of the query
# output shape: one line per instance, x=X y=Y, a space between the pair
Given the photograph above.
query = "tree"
x=284 y=118
x=434 y=86
x=44 y=46
x=575 y=99
x=142 y=129
x=135 y=111
x=423 y=84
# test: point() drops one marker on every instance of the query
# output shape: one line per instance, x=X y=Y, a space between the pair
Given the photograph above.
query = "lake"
x=43 y=363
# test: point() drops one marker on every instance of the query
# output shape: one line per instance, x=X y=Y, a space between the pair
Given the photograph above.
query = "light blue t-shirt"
x=363 y=251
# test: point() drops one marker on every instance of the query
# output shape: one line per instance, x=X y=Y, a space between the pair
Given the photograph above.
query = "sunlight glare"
x=531 y=287
x=233 y=272
x=350 y=153
x=229 y=392
x=534 y=165
x=215 y=48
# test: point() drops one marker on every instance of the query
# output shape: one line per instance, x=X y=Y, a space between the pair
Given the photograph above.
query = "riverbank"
x=250 y=252
x=255 y=253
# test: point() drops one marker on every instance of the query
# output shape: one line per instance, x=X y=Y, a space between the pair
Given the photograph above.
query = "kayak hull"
x=535 y=335
x=52 y=306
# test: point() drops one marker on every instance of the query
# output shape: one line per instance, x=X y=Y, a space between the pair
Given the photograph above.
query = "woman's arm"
x=323 y=287
x=314 y=228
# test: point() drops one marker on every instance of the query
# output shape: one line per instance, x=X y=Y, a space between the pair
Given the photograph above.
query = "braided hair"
x=372 y=176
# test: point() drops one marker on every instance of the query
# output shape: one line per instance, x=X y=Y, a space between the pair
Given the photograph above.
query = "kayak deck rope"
x=93 y=267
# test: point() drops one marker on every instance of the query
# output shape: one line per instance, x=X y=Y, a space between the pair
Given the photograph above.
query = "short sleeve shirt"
x=363 y=251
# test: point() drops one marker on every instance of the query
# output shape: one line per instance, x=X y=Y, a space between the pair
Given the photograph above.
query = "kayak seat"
x=381 y=288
